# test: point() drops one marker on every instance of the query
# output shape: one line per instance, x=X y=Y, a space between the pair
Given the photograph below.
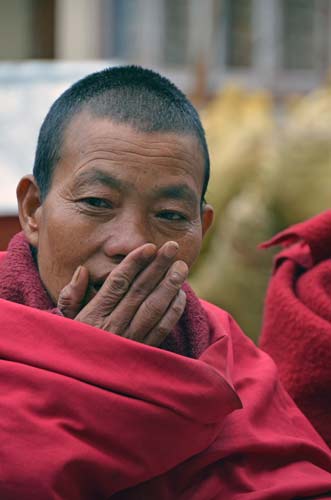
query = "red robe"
x=297 y=320
x=88 y=415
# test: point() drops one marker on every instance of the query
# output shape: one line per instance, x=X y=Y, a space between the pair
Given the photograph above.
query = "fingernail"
x=171 y=249
x=75 y=277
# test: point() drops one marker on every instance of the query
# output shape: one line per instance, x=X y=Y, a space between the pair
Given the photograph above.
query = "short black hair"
x=125 y=94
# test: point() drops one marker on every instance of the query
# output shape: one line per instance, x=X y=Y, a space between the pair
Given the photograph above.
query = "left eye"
x=96 y=202
x=171 y=215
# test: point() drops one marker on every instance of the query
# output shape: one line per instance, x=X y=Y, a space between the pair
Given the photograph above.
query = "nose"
x=126 y=234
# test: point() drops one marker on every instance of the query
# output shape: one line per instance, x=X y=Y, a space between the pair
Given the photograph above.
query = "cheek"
x=64 y=243
x=189 y=247
x=66 y=235
x=59 y=242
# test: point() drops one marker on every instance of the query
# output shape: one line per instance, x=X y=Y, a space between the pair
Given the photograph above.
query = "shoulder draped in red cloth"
x=297 y=318
x=88 y=415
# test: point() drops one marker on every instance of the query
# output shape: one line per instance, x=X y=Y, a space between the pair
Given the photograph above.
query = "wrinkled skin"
x=120 y=226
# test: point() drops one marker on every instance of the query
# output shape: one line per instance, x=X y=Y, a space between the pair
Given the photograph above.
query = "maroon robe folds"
x=297 y=320
x=88 y=415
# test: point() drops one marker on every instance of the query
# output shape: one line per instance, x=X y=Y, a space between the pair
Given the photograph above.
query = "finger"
x=72 y=296
x=154 y=307
x=168 y=322
x=117 y=284
x=142 y=286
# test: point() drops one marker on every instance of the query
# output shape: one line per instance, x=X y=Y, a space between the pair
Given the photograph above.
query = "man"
x=117 y=382
x=297 y=322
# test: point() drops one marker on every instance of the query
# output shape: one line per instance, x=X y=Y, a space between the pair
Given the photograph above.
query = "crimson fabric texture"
x=88 y=415
x=297 y=319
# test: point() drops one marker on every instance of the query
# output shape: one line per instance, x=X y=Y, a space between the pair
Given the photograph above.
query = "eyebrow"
x=96 y=176
x=177 y=192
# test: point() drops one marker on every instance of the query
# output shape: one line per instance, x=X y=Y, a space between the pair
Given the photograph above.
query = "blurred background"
x=259 y=71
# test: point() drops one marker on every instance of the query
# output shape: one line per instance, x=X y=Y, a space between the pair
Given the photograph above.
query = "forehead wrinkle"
x=135 y=159
x=151 y=148
x=137 y=150
x=103 y=142
x=130 y=160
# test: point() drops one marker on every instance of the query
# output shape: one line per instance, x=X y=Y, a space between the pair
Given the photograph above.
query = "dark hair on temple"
x=125 y=94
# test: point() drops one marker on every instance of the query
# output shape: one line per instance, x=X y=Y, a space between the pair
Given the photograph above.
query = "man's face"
x=114 y=189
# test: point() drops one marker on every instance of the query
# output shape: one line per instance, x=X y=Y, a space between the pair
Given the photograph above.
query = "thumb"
x=71 y=297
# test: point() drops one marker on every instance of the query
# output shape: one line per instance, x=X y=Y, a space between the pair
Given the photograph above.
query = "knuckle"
x=68 y=298
x=179 y=303
x=113 y=327
x=153 y=308
x=175 y=280
x=162 y=331
x=65 y=304
x=65 y=295
x=119 y=284
x=138 y=290
x=182 y=297
x=65 y=309
x=178 y=308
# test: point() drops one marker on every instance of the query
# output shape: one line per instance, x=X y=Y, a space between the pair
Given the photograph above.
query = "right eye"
x=96 y=202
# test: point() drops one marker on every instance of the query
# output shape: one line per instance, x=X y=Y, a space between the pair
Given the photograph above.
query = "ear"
x=29 y=208
x=207 y=217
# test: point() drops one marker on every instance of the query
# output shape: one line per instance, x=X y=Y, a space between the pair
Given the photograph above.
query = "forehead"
x=93 y=142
